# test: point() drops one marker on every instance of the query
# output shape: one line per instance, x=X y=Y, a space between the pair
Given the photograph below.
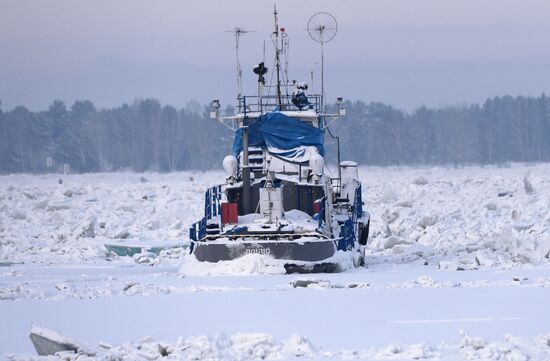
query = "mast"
x=277 y=56
x=322 y=76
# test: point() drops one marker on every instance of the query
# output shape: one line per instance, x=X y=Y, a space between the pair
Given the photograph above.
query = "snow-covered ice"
x=458 y=268
x=262 y=346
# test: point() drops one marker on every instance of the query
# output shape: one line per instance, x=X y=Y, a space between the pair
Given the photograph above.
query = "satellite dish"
x=322 y=27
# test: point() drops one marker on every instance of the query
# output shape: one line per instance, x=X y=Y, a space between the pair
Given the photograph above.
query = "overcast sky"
x=404 y=52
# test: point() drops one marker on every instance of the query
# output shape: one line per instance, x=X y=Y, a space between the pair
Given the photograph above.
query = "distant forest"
x=147 y=136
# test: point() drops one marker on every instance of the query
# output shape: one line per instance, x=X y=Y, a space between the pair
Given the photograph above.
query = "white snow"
x=456 y=214
x=250 y=264
x=43 y=221
x=255 y=264
x=262 y=346
x=451 y=250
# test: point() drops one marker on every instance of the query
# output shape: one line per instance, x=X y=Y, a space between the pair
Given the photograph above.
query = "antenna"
x=275 y=38
x=238 y=32
x=322 y=28
x=286 y=51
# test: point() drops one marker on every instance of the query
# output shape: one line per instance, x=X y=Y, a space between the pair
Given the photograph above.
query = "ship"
x=279 y=199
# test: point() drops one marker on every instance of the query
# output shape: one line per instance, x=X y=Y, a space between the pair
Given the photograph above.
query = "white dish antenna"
x=322 y=28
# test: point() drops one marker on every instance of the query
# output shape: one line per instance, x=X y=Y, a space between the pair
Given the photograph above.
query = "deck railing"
x=266 y=103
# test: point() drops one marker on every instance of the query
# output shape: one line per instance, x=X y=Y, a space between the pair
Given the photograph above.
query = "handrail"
x=264 y=103
x=212 y=208
x=212 y=198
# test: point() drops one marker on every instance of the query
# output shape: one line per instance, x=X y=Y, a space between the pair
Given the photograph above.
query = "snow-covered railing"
x=347 y=236
x=212 y=198
x=347 y=229
x=197 y=231
x=265 y=103
x=212 y=208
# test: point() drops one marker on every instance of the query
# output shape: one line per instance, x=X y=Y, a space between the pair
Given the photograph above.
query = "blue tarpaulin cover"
x=281 y=135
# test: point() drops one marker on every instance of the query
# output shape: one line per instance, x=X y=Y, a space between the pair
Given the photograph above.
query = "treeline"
x=146 y=136
x=503 y=129
x=143 y=136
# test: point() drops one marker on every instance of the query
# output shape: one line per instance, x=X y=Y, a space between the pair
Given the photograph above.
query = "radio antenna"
x=238 y=32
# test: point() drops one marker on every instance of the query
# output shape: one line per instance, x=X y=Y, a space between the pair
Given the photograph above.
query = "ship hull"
x=298 y=256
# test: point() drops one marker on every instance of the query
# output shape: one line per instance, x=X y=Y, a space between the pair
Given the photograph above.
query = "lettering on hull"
x=257 y=250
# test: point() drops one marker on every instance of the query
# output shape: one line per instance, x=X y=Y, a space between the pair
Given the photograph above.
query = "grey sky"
x=404 y=52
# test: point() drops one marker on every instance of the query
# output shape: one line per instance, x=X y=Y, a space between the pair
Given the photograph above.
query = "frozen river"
x=458 y=269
